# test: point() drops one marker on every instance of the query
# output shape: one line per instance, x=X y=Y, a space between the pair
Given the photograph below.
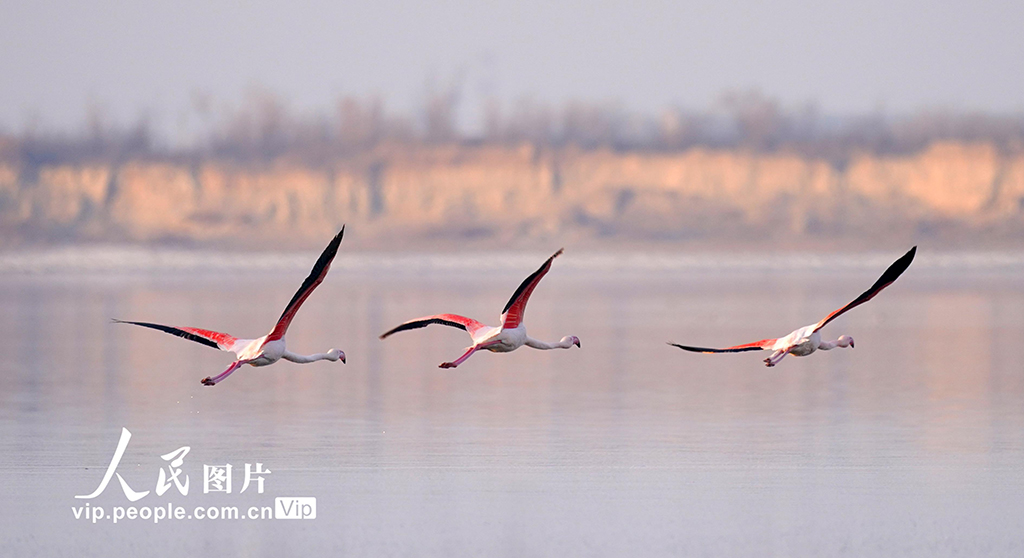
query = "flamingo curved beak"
x=852 y=346
x=342 y=359
x=576 y=341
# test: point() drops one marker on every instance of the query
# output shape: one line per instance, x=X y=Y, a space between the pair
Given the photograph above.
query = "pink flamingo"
x=503 y=339
x=806 y=340
x=270 y=348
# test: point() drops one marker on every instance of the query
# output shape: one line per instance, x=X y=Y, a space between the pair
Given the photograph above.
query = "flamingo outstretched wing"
x=512 y=315
x=755 y=346
x=451 y=320
x=891 y=274
x=316 y=276
x=214 y=339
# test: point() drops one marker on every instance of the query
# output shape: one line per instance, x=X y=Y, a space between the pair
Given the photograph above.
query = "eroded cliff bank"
x=951 y=193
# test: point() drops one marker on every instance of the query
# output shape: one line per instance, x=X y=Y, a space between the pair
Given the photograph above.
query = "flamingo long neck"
x=536 y=344
x=829 y=345
x=304 y=359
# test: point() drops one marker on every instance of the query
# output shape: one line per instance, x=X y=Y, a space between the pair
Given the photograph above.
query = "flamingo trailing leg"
x=806 y=340
x=271 y=347
x=507 y=337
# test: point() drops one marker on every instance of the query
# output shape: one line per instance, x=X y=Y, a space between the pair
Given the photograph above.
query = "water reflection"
x=625 y=446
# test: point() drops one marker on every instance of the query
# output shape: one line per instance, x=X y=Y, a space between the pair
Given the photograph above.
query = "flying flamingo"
x=270 y=348
x=806 y=340
x=507 y=337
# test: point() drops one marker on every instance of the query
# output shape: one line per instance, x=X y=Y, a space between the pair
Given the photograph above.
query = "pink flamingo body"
x=507 y=337
x=806 y=340
x=270 y=348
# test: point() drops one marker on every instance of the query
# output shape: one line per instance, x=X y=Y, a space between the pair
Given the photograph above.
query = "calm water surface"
x=912 y=444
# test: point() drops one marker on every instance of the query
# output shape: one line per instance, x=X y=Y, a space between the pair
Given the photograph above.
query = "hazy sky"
x=57 y=58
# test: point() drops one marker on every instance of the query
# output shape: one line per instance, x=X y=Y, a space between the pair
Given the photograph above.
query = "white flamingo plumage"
x=807 y=339
x=271 y=347
x=507 y=337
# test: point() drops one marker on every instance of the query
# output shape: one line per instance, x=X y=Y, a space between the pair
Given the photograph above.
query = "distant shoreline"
x=952 y=195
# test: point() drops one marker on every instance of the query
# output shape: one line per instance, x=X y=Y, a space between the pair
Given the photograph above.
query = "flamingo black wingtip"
x=904 y=262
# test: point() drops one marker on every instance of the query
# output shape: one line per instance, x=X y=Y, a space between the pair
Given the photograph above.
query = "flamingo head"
x=570 y=340
x=335 y=355
x=845 y=341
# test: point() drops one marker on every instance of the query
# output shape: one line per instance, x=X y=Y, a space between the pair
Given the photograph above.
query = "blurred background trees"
x=263 y=127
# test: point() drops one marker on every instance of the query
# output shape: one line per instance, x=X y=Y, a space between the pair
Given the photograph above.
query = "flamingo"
x=507 y=337
x=807 y=339
x=270 y=348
